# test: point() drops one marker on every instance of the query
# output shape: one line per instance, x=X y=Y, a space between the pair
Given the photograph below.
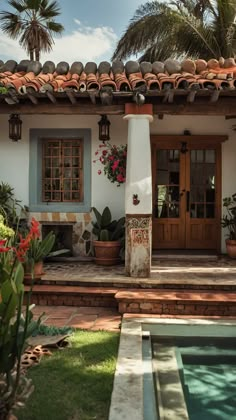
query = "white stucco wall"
x=14 y=157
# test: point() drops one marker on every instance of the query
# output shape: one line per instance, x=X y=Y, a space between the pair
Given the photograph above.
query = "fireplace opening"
x=63 y=242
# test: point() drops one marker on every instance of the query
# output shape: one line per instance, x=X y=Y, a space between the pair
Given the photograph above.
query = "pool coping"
x=127 y=395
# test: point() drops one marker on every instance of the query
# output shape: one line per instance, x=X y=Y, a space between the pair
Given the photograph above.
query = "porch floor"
x=190 y=287
x=218 y=272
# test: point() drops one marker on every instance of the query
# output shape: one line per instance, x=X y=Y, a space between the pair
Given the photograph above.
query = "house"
x=178 y=122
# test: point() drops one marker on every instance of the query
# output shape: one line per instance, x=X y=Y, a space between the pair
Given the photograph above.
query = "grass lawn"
x=76 y=382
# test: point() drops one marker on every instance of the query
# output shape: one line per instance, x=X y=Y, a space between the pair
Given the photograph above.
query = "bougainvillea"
x=113 y=158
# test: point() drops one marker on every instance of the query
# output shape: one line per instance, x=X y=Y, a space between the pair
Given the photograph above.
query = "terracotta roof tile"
x=193 y=75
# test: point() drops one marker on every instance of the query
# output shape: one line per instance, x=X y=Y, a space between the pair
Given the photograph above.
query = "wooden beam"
x=225 y=106
x=215 y=96
x=51 y=97
x=191 y=96
x=33 y=99
x=71 y=96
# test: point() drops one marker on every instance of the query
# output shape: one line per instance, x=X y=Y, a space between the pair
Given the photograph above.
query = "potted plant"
x=229 y=222
x=110 y=237
x=37 y=250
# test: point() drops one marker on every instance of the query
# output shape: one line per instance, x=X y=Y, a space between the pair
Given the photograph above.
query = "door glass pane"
x=202 y=184
x=210 y=156
x=167 y=184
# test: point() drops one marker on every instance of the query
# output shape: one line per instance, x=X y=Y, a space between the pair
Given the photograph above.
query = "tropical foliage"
x=107 y=229
x=229 y=217
x=15 y=327
x=193 y=28
x=32 y=21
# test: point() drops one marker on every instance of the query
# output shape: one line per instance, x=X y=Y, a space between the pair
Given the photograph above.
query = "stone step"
x=72 y=295
x=174 y=302
x=185 y=282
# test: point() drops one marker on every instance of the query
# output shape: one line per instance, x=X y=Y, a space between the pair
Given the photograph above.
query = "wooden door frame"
x=200 y=142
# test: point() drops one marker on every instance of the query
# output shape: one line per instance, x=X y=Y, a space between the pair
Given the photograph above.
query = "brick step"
x=174 y=302
x=72 y=295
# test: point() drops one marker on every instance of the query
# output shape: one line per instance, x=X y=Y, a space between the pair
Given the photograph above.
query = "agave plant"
x=107 y=229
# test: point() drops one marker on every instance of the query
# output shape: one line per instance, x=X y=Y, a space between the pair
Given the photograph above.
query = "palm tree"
x=33 y=23
x=193 y=28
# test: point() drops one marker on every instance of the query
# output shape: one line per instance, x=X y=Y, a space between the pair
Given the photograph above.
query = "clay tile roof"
x=28 y=78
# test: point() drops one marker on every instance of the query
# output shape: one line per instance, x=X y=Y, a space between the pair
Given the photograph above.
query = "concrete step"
x=72 y=295
x=175 y=302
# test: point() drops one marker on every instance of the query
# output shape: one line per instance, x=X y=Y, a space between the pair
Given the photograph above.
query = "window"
x=62 y=172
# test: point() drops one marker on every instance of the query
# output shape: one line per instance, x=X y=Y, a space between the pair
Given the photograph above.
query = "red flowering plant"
x=113 y=158
x=15 y=326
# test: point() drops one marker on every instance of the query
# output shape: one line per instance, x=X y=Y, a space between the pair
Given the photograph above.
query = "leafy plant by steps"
x=106 y=229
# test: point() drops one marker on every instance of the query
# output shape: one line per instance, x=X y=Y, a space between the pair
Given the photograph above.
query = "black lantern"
x=15 y=124
x=104 y=128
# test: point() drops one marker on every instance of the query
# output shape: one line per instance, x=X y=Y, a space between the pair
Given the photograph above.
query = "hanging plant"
x=113 y=158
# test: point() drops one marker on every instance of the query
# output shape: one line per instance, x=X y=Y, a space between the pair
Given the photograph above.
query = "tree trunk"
x=37 y=54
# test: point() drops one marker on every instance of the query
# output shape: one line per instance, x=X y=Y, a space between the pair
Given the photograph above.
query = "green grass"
x=76 y=382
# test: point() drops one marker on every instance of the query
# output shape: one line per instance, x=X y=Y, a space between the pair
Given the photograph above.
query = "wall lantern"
x=104 y=128
x=15 y=124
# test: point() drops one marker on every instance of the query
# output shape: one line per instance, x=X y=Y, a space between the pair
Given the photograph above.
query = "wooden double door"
x=186 y=192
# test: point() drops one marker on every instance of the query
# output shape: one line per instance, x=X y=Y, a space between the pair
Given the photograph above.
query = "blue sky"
x=92 y=29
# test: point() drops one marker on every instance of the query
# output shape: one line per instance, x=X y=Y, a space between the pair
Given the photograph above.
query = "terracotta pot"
x=38 y=272
x=231 y=247
x=107 y=252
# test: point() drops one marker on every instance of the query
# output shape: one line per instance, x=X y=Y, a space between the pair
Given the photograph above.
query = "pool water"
x=206 y=371
x=210 y=391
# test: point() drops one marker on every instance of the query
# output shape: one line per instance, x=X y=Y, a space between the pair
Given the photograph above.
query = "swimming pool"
x=176 y=370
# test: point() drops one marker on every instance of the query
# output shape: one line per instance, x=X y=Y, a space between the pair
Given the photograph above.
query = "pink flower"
x=115 y=165
x=99 y=172
x=104 y=152
x=96 y=153
x=120 y=178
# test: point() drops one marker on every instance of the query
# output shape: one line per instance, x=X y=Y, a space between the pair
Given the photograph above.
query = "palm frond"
x=146 y=31
x=55 y=27
x=18 y=5
x=10 y=24
x=195 y=28
x=49 y=10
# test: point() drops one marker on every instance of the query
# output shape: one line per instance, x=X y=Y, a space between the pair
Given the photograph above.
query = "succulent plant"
x=107 y=229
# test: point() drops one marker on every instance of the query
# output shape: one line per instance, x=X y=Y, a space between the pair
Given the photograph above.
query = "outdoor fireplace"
x=63 y=241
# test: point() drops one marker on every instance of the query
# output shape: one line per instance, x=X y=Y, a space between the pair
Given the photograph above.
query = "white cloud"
x=83 y=44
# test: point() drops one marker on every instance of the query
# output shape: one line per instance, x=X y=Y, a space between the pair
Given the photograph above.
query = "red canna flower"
x=34 y=230
x=5 y=249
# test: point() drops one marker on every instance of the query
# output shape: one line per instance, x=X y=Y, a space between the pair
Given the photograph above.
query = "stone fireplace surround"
x=81 y=228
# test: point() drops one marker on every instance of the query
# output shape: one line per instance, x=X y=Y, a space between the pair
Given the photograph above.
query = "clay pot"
x=231 y=247
x=38 y=272
x=107 y=252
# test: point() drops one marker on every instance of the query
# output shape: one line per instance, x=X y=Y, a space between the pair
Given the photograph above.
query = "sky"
x=92 y=29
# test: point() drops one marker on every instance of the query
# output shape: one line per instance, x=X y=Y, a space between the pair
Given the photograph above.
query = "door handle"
x=187 y=200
